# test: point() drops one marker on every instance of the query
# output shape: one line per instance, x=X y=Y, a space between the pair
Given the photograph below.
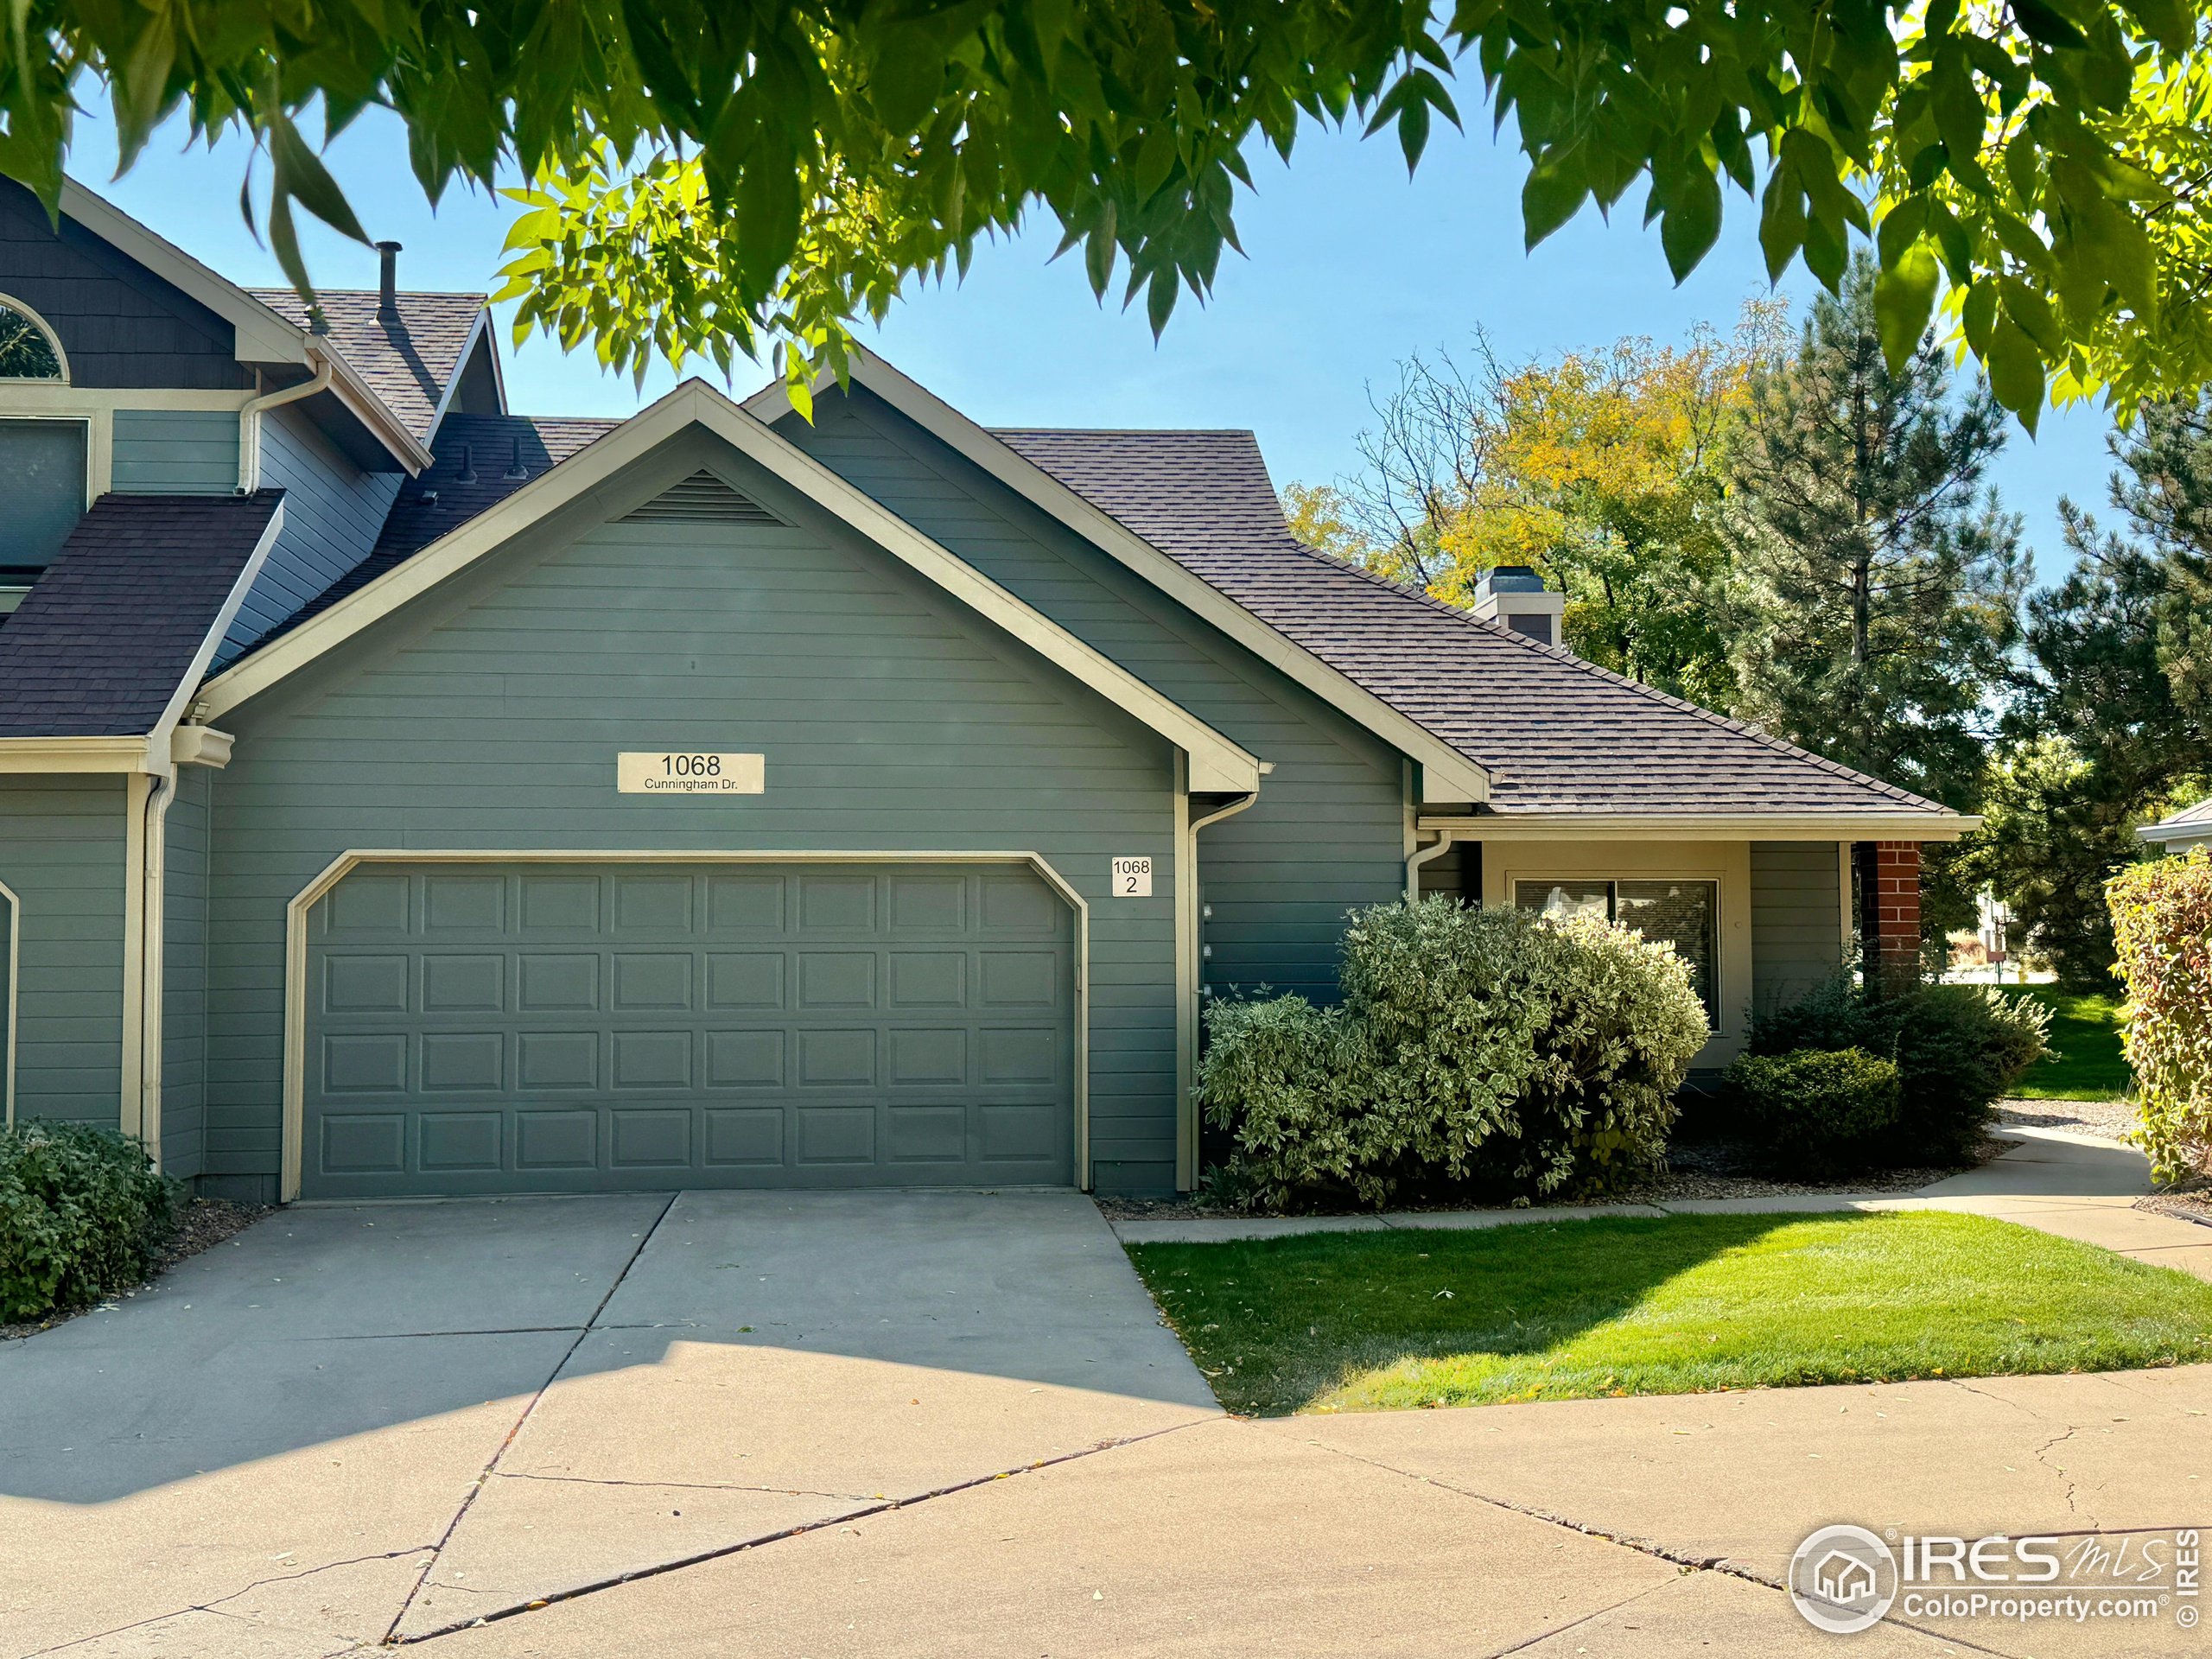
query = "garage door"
x=593 y=1027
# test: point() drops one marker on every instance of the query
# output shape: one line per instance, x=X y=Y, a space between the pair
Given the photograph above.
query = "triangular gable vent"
x=701 y=498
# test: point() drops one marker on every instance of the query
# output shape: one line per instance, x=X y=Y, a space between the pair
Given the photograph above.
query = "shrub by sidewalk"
x=2162 y=924
x=82 y=1213
x=1487 y=1052
x=1956 y=1049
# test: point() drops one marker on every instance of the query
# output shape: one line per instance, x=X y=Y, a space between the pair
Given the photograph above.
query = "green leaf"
x=1904 y=299
x=2046 y=25
x=1691 y=223
x=299 y=175
x=2016 y=373
x=1550 y=197
x=2032 y=312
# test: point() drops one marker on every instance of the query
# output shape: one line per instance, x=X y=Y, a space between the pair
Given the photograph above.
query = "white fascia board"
x=22 y=755
x=1223 y=765
x=364 y=406
x=158 y=744
x=1445 y=773
x=477 y=334
x=263 y=336
x=1659 y=826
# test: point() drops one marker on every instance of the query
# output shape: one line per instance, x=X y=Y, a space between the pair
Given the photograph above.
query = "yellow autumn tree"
x=1599 y=469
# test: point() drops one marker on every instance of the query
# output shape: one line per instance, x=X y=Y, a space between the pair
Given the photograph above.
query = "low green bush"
x=82 y=1211
x=1475 y=1051
x=1816 y=1110
x=2162 y=924
x=1957 y=1050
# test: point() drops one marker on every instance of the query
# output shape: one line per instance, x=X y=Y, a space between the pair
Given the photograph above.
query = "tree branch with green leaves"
x=710 y=179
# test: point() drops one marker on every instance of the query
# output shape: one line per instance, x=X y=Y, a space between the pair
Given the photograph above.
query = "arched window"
x=28 y=350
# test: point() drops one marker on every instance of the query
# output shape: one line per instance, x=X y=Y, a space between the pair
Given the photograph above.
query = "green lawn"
x=2085 y=1030
x=1673 y=1305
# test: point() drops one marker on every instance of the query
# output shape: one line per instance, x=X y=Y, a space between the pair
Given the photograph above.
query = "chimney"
x=388 y=283
x=1513 y=594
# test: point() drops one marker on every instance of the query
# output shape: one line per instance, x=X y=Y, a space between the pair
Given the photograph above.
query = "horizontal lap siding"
x=61 y=854
x=1796 y=920
x=333 y=513
x=891 y=719
x=175 y=452
x=184 y=974
x=1328 y=830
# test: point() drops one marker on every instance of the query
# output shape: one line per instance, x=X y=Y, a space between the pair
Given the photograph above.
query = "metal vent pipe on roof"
x=388 y=282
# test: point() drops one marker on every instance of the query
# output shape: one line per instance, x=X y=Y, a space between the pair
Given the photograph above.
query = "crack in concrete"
x=692 y=1486
x=1547 y=1634
x=476 y=1486
x=1650 y=1547
x=216 y=1609
x=2066 y=1481
x=721 y=1552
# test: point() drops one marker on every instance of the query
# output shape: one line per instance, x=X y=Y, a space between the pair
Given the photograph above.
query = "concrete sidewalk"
x=2075 y=1185
x=1637 y=1529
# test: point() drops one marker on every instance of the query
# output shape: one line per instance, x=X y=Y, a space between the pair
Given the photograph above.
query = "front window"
x=1681 y=913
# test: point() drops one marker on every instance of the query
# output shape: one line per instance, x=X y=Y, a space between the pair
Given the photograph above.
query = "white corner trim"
x=1445 y=774
x=8 y=1026
x=301 y=903
x=1218 y=763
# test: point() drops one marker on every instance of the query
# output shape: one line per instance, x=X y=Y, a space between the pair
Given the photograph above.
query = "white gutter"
x=250 y=416
x=1445 y=839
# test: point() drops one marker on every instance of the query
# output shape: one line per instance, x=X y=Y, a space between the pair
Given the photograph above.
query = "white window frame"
x=31 y=313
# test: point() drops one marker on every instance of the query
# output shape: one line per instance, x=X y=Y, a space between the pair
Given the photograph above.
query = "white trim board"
x=293 y=1104
x=8 y=1024
x=1445 y=773
x=1216 y=763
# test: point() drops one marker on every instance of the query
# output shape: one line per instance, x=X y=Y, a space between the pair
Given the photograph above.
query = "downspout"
x=1444 y=838
x=250 y=417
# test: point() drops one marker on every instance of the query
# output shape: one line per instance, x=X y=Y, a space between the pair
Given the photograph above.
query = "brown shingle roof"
x=101 y=640
x=407 y=364
x=1558 y=735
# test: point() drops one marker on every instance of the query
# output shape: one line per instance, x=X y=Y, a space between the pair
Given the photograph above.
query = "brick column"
x=1889 y=908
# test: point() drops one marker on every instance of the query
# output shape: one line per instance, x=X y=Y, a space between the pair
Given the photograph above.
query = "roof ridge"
x=1559 y=653
x=405 y=293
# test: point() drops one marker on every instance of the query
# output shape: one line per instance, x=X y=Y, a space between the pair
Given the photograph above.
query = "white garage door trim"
x=295 y=948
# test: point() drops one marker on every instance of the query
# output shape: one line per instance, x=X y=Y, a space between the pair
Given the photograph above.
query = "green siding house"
x=402 y=796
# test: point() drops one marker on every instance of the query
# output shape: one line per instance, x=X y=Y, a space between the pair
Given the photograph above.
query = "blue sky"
x=1352 y=268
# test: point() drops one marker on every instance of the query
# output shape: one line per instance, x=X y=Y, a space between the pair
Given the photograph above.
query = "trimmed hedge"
x=1816 y=1111
x=1475 y=1051
x=2162 y=923
x=81 y=1213
x=1957 y=1050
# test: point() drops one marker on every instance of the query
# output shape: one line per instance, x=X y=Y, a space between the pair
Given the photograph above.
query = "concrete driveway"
x=355 y=1424
x=935 y=1424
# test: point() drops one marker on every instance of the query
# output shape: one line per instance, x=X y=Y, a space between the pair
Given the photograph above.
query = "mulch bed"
x=202 y=1224
x=1696 y=1169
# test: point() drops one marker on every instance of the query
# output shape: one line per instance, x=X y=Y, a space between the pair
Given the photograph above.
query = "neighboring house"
x=2188 y=829
x=399 y=795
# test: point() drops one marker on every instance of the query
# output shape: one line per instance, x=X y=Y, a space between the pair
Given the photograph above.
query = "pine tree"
x=2112 y=724
x=1877 y=586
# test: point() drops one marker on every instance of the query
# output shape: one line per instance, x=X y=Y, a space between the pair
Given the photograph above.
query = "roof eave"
x=1714 y=826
